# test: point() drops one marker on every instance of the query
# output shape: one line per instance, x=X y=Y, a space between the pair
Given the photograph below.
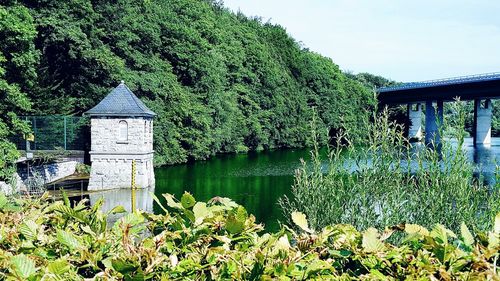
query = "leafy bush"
x=219 y=240
x=82 y=169
x=389 y=182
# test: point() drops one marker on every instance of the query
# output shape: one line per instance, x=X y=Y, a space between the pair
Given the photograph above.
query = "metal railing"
x=55 y=133
x=444 y=81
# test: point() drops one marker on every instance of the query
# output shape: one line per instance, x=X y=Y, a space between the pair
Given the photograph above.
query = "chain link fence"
x=55 y=133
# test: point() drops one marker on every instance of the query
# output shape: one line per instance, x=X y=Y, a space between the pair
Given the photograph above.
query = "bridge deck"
x=465 y=87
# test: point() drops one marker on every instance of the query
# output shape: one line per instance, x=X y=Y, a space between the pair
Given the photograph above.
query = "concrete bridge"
x=479 y=88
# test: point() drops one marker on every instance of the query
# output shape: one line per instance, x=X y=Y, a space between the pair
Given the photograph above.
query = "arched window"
x=123 y=131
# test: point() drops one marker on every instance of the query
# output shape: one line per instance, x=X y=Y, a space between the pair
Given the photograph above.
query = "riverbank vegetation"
x=217 y=240
x=218 y=80
x=388 y=181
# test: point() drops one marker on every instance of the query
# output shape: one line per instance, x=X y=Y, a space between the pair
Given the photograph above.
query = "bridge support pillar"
x=433 y=120
x=415 y=121
x=482 y=122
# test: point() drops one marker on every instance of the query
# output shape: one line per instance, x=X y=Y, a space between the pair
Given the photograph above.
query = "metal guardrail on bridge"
x=443 y=82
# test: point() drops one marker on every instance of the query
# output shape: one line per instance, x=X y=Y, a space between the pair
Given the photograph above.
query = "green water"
x=255 y=180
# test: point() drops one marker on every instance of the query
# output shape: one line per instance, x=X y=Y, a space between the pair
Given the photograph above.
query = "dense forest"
x=219 y=81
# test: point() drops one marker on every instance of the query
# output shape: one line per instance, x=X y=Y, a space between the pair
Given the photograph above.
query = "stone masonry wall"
x=117 y=173
x=105 y=135
x=112 y=157
x=123 y=197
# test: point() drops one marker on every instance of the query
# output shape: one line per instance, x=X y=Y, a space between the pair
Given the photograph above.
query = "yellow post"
x=133 y=174
x=133 y=200
x=133 y=187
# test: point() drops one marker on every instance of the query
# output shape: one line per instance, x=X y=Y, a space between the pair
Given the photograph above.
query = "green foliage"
x=18 y=61
x=53 y=241
x=82 y=169
x=220 y=82
x=8 y=156
x=397 y=113
x=372 y=81
x=22 y=267
x=389 y=181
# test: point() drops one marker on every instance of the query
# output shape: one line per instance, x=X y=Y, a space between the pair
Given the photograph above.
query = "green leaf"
x=187 y=200
x=190 y=215
x=28 y=229
x=300 y=220
x=60 y=207
x=371 y=242
x=200 y=211
x=439 y=234
x=28 y=244
x=171 y=202
x=416 y=229
x=233 y=225
x=241 y=214
x=493 y=240
x=124 y=267
x=496 y=227
x=59 y=267
x=3 y=200
x=88 y=230
x=22 y=266
x=467 y=237
x=316 y=266
x=223 y=201
x=65 y=198
x=108 y=262
x=68 y=239
x=158 y=202
x=377 y=274
x=117 y=210
x=282 y=243
x=132 y=219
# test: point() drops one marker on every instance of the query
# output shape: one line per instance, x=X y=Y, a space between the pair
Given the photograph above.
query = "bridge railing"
x=55 y=133
x=444 y=81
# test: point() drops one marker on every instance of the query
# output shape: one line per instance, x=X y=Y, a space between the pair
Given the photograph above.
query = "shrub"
x=218 y=240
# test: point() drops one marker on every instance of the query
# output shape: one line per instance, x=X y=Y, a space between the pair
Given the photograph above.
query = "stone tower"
x=121 y=133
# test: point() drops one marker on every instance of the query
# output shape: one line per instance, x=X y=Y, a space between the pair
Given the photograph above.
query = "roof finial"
x=122 y=82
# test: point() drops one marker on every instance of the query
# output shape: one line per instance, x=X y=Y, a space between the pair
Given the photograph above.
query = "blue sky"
x=402 y=40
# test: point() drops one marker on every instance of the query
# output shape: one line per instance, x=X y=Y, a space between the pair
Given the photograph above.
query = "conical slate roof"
x=121 y=102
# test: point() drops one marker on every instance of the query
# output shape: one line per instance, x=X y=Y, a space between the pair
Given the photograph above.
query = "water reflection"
x=124 y=197
x=254 y=180
x=485 y=158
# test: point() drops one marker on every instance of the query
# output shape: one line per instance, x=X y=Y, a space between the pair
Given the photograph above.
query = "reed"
x=389 y=181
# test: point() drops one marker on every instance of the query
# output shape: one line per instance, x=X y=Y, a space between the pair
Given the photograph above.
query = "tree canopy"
x=18 y=59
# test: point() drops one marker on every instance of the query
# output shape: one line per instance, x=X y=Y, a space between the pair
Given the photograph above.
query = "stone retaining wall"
x=48 y=173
